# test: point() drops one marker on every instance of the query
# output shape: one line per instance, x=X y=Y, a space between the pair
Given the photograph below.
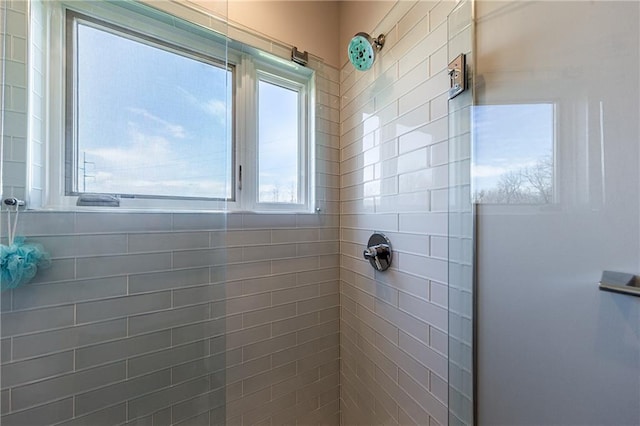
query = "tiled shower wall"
x=183 y=318
x=394 y=177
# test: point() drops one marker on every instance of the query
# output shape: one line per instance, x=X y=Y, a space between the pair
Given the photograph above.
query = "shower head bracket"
x=363 y=48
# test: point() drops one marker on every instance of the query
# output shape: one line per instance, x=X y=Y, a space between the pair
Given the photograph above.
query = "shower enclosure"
x=503 y=205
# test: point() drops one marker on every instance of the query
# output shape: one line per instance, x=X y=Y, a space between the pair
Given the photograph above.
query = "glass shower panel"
x=127 y=322
x=461 y=227
x=553 y=348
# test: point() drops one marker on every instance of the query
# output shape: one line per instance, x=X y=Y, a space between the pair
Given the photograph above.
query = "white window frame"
x=263 y=71
x=250 y=65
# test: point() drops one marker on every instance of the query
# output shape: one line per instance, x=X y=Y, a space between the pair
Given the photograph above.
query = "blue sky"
x=159 y=127
x=144 y=133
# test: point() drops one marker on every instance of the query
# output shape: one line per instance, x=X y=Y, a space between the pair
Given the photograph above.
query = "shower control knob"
x=378 y=252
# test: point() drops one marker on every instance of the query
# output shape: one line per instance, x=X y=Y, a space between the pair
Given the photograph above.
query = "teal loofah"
x=19 y=263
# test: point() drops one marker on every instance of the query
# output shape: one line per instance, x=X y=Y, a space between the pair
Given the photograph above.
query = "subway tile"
x=428 y=223
x=122 y=306
x=294 y=294
x=250 y=335
x=121 y=349
x=167 y=319
x=261 y=220
x=94 y=222
x=268 y=283
x=317 y=248
x=83 y=245
x=68 y=292
x=321 y=330
x=198 y=406
x=294 y=235
x=295 y=323
x=433 y=314
x=435 y=269
x=426 y=356
x=200 y=367
x=59 y=270
x=381 y=323
x=247 y=369
x=104 y=266
x=203 y=257
x=262 y=415
x=166 y=358
x=439 y=294
x=43 y=415
x=67 y=338
x=426 y=400
x=204 y=329
x=248 y=270
x=17 y=373
x=46 y=223
x=240 y=304
x=318 y=303
x=5 y=401
x=439 y=340
x=273 y=314
x=294 y=265
x=69 y=384
x=403 y=320
x=21 y=322
x=162 y=398
x=439 y=388
x=5 y=350
x=248 y=237
x=167 y=241
x=322 y=275
x=121 y=391
x=199 y=294
x=116 y=414
x=141 y=421
x=269 y=346
x=155 y=281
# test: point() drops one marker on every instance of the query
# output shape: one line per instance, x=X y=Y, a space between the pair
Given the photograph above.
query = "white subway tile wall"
x=172 y=319
x=394 y=156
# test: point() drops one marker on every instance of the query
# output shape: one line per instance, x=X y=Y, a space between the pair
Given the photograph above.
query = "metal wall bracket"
x=457 y=76
x=620 y=282
x=301 y=58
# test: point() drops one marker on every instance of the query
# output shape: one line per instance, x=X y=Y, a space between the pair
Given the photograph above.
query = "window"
x=175 y=117
x=145 y=118
x=279 y=151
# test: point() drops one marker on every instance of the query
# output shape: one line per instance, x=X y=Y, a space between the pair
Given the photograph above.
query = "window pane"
x=150 y=121
x=278 y=156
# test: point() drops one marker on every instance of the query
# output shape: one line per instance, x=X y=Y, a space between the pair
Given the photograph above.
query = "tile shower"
x=240 y=318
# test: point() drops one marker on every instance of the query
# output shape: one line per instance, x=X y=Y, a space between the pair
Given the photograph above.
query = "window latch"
x=240 y=178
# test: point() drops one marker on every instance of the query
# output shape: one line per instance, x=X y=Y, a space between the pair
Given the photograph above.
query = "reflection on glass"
x=513 y=154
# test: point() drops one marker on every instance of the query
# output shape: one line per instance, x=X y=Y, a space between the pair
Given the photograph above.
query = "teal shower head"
x=362 y=50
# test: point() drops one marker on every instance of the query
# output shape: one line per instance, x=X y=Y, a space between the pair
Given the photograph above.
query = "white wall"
x=308 y=25
x=553 y=349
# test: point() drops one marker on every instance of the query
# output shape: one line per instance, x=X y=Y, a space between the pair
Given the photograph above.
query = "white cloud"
x=174 y=130
x=216 y=108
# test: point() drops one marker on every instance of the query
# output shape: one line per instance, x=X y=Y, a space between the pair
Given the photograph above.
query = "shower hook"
x=13 y=202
